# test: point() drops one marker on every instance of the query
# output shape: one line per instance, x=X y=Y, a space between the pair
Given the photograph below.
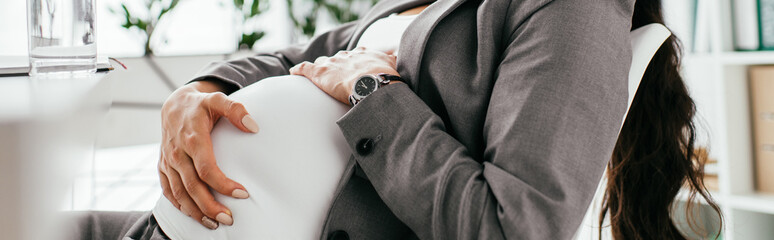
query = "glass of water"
x=61 y=36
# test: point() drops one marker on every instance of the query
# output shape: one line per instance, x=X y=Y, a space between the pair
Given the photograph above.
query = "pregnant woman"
x=470 y=119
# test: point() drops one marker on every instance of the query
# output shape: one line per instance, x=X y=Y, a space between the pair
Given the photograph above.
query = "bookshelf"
x=761 y=203
x=717 y=78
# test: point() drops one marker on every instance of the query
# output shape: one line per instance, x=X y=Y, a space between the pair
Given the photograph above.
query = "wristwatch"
x=369 y=83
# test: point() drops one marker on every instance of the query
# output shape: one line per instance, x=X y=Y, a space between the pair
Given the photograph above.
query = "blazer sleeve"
x=236 y=74
x=551 y=125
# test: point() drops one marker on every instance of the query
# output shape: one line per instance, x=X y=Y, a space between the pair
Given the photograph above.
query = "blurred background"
x=163 y=43
x=195 y=27
x=726 y=63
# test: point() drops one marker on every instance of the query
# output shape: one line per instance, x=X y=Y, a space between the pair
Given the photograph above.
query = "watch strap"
x=386 y=78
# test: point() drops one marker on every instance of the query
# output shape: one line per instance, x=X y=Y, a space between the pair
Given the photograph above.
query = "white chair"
x=646 y=40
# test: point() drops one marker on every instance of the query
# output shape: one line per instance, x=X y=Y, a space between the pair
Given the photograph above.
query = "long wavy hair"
x=654 y=156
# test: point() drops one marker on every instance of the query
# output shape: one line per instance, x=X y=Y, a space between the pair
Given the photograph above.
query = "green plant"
x=146 y=23
x=155 y=10
x=342 y=11
x=255 y=7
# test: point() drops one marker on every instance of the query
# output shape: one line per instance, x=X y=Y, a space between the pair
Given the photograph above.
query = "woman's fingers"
x=188 y=117
x=235 y=112
x=336 y=75
x=164 y=181
x=320 y=59
x=199 y=148
x=342 y=53
x=300 y=68
x=203 y=198
x=311 y=70
x=187 y=205
x=200 y=193
x=167 y=190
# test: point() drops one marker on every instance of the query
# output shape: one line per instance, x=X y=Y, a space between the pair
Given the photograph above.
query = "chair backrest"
x=645 y=41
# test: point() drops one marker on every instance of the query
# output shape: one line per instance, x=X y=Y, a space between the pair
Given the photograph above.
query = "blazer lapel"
x=414 y=39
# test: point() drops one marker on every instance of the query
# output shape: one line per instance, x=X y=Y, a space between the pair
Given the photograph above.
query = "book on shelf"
x=766 y=22
x=701 y=28
x=753 y=24
x=745 y=19
x=679 y=16
x=762 y=101
x=710 y=167
x=702 y=154
x=689 y=21
x=711 y=182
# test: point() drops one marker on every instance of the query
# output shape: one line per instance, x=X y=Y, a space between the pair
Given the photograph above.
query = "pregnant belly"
x=291 y=167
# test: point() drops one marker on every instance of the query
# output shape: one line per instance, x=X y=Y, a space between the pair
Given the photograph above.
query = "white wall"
x=194 y=27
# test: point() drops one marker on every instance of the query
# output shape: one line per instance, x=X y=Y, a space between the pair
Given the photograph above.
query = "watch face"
x=365 y=85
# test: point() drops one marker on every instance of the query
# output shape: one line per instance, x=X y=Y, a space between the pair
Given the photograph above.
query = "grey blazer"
x=510 y=111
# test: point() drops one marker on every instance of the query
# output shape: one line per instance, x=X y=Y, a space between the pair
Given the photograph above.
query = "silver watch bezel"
x=380 y=81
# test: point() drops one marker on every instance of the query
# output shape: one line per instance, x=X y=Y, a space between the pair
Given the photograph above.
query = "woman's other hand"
x=336 y=75
x=187 y=167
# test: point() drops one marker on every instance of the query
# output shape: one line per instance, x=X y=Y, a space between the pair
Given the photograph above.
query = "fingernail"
x=250 y=124
x=209 y=223
x=239 y=193
x=185 y=211
x=224 y=219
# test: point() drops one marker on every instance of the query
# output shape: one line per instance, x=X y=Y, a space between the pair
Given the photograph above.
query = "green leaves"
x=256 y=7
x=147 y=24
x=145 y=20
x=248 y=40
x=342 y=14
x=342 y=11
x=168 y=8
x=254 y=10
x=249 y=37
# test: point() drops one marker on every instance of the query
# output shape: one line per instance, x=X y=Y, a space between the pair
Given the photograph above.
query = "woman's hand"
x=187 y=168
x=336 y=75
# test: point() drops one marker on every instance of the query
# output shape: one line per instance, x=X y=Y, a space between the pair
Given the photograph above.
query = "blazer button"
x=364 y=146
x=338 y=235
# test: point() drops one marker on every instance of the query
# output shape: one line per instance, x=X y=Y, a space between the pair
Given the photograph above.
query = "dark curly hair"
x=654 y=156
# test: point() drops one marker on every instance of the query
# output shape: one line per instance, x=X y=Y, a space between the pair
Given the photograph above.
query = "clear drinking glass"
x=61 y=36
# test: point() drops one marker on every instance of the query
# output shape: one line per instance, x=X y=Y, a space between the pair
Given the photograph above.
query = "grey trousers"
x=113 y=226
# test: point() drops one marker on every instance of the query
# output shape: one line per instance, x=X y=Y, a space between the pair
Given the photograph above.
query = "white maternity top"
x=292 y=166
x=385 y=34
